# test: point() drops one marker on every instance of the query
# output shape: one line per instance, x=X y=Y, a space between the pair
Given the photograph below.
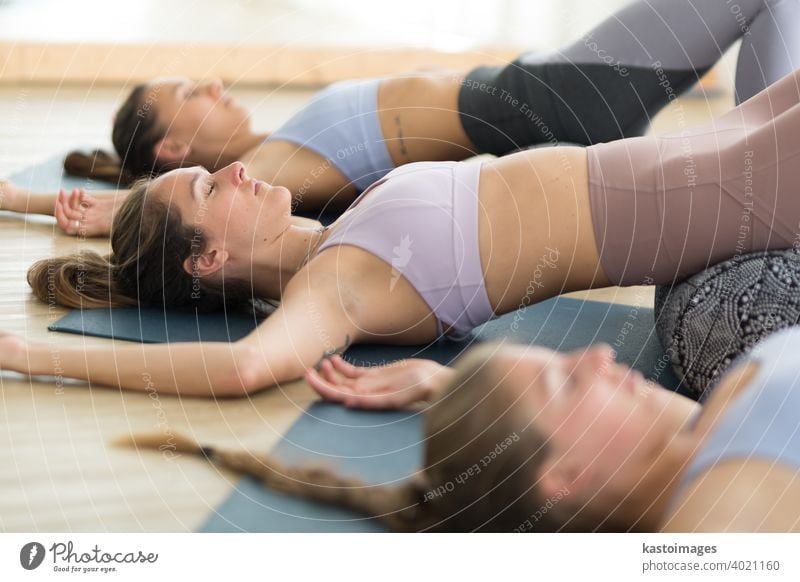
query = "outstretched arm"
x=16 y=199
x=93 y=212
x=300 y=333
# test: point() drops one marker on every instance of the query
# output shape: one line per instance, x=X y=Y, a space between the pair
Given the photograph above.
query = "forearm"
x=189 y=369
x=29 y=202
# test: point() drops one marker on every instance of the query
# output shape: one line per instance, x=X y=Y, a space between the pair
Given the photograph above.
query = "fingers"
x=331 y=375
x=65 y=222
x=362 y=394
x=84 y=199
x=345 y=368
x=70 y=212
x=337 y=370
x=75 y=199
x=324 y=388
x=80 y=200
x=348 y=395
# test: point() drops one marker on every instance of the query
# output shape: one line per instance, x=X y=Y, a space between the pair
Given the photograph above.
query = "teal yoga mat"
x=386 y=447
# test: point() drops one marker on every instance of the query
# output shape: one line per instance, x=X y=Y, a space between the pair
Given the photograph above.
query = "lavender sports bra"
x=422 y=219
x=341 y=124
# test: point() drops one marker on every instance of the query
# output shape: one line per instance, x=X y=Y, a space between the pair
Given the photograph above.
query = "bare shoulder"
x=739 y=495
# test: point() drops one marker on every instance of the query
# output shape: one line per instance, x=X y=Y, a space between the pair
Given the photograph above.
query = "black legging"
x=611 y=82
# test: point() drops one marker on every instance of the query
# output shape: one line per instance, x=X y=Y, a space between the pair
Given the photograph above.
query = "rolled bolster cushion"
x=707 y=321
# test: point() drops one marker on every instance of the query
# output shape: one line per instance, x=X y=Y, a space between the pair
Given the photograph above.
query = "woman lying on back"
x=605 y=86
x=523 y=439
x=433 y=248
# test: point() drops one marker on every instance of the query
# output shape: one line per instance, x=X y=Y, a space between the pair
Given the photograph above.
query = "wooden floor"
x=59 y=474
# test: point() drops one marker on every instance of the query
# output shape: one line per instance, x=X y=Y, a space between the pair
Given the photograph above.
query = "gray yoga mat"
x=560 y=323
x=155 y=325
x=49 y=176
x=378 y=446
x=386 y=447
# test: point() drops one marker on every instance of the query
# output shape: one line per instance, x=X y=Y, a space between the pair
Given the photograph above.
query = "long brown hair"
x=149 y=244
x=135 y=134
x=482 y=458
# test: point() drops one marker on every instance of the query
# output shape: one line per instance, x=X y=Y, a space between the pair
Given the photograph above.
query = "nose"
x=595 y=360
x=234 y=172
x=603 y=353
x=215 y=87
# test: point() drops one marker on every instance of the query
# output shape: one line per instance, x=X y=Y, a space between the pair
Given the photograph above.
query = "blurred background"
x=274 y=41
x=66 y=65
x=450 y=25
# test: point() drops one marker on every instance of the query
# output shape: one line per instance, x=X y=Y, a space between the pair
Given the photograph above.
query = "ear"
x=565 y=474
x=170 y=149
x=205 y=264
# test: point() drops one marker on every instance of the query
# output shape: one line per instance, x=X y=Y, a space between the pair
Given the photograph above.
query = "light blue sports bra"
x=341 y=124
x=763 y=421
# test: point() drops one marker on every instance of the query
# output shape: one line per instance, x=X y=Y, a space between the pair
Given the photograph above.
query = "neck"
x=647 y=503
x=644 y=506
x=295 y=247
x=646 y=491
x=234 y=150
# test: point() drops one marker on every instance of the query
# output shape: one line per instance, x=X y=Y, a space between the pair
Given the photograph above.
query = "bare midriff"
x=419 y=118
x=535 y=227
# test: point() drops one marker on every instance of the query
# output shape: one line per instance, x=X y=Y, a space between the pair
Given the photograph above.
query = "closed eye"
x=211 y=189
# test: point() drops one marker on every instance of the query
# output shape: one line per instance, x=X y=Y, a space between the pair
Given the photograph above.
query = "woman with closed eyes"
x=431 y=249
x=524 y=439
x=605 y=86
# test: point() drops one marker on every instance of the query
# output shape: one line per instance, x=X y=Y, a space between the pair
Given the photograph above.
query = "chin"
x=286 y=198
x=278 y=200
x=244 y=120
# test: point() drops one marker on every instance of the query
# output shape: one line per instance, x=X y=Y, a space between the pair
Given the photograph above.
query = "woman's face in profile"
x=196 y=112
x=593 y=412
